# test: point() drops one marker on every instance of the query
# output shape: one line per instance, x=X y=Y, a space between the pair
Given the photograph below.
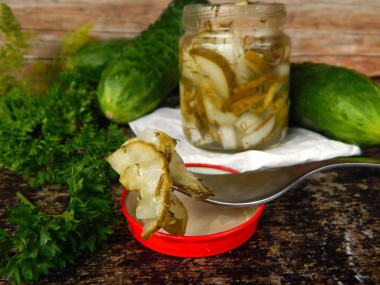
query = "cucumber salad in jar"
x=234 y=76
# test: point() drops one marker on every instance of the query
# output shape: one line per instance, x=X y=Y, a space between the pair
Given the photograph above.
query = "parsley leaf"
x=56 y=138
x=52 y=134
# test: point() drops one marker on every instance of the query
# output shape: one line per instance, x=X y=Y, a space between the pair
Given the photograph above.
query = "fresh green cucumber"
x=335 y=101
x=91 y=59
x=146 y=72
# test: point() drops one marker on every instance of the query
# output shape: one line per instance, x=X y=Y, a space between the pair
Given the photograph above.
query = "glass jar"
x=234 y=76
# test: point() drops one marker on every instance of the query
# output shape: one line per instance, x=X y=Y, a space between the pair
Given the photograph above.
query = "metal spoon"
x=257 y=187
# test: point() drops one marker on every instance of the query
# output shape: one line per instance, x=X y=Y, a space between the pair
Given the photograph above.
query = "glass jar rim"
x=253 y=10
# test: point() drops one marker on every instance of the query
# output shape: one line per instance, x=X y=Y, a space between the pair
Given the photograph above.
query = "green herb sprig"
x=56 y=139
x=42 y=242
x=12 y=50
x=52 y=136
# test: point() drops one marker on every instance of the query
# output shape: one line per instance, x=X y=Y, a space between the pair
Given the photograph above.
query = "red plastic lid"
x=195 y=246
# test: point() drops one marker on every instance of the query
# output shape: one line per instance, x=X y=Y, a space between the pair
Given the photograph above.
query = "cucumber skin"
x=335 y=101
x=91 y=59
x=147 y=71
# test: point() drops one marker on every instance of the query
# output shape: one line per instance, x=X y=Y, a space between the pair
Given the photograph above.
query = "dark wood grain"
x=324 y=231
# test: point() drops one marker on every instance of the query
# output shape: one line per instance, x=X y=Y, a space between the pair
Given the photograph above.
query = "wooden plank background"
x=340 y=32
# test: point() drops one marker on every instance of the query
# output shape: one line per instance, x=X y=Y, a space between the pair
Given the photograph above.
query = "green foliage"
x=59 y=129
x=70 y=43
x=56 y=138
x=42 y=75
x=42 y=242
x=12 y=50
x=38 y=77
x=50 y=132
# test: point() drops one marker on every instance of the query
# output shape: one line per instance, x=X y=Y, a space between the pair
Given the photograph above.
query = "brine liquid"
x=234 y=90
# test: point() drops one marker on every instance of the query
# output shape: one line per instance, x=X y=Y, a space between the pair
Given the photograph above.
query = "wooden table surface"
x=324 y=231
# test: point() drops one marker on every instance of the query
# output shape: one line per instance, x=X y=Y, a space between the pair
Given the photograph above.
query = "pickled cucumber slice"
x=279 y=129
x=122 y=158
x=259 y=134
x=257 y=62
x=194 y=134
x=253 y=84
x=244 y=103
x=160 y=140
x=281 y=101
x=249 y=121
x=227 y=44
x=201 y=114
x=268 y=98
x=176 y=219
x=195 y=120
x=228 y=137
x=246 y=95
x=242 y=71
x=215 y=115
x=146 y=171
x=216 y=70
x=189 y=72
x=188 y=99
x=211 y=94
x=185 y=99
x=152 y=180
x=144 y=163
x=282 y=116
x=282 y=70
x=185 y=180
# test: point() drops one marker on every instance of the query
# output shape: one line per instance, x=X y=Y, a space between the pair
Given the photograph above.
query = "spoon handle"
x=257 y=187
x=312 y=167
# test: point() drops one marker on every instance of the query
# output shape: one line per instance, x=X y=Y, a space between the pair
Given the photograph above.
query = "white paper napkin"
x=300 y=145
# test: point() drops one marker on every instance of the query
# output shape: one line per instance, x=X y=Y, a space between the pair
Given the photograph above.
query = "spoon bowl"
x=258 y=187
